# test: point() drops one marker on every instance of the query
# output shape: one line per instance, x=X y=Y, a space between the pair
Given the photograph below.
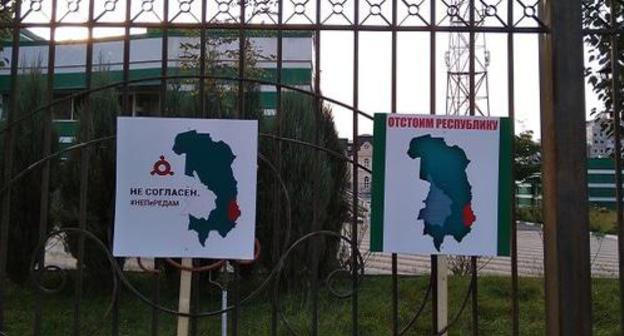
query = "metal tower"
x=458 y=65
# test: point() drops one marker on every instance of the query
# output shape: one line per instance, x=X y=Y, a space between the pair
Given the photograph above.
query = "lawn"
x=334 y=314
x=601 y=220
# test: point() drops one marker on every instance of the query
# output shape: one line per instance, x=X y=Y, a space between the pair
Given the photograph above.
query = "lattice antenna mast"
x=458 y=65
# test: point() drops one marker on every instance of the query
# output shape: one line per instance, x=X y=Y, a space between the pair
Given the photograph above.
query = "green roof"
x=28 y=38
x=76 y=81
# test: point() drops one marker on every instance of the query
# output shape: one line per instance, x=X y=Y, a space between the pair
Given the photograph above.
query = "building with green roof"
x=145 y=62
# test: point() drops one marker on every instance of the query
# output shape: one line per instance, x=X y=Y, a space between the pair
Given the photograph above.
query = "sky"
x=412 y=72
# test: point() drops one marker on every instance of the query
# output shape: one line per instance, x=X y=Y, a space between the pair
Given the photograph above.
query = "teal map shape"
x=212 y=161
x=448 y=209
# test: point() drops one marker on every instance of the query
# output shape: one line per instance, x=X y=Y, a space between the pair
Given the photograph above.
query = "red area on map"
x=469 y=216
x=233 y=210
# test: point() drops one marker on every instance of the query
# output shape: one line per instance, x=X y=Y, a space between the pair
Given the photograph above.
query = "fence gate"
x=37 y=143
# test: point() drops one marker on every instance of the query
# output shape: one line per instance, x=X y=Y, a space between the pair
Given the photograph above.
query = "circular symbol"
x=413 y=9
x=529 y=11
x=110 y=5
x=452 y=11
x=490 y=10
x=185 y=5
x=375 y=9
x=162 y=167
x=73 y=5
x=223 y=7
x=35 y=5
x=337 y=8
x=300 y=8
x=147 y=5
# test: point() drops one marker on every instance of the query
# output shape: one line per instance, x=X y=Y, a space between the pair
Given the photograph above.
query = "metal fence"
x=557 y=22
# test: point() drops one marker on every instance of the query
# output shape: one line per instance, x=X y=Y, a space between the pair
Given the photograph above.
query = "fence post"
x=441 y=293
x=566 y=228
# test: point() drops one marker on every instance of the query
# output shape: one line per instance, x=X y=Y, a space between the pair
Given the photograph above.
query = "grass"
x=601 y=220
x=334 y=314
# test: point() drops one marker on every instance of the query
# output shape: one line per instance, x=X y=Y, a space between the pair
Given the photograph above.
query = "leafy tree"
x=302 y=169
x=598 y=71
x=26 y=194
x=104 y=109
x=220 y=96
x=527 y=156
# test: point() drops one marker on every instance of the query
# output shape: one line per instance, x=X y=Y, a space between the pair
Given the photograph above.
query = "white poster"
x=186 y=188
x=441 y=184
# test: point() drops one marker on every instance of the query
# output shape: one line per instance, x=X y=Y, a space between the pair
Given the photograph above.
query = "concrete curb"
x=593 y=234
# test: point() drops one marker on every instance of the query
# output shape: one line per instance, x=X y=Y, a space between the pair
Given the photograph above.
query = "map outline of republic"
x=446 y=211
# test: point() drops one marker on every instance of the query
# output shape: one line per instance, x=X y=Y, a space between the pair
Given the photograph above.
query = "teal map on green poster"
x=212 y=162
x=448 y=209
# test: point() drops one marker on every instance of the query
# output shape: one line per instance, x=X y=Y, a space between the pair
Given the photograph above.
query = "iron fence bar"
x=202 y=60
x=316 y=173
x=566 y=228
x=471 y=58
x=393 y=109
x=355 y=148
x=242 y=45
x=432 y=110
x=84 y=174
x=434 y=297
x=515 y=305
x=242 y=49
x=617 y=133
x=8 y=160
x=164 y=59
x=162 y=111
x=195 y=296
x=127 y=109
x=196 y=278
x=236 y=297
x=395 y=295
x=45 y=171
x=155 y=296
x=475 y=296
x=473 y=108
x=309 y=27
x=278 y=165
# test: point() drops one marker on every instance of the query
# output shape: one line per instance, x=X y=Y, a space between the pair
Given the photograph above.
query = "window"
x=366 y=182
x=63 y=110
x=366 y=163
x=146 y=104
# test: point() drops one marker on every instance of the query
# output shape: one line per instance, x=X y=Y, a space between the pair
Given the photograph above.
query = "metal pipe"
x=312 y=27
x=515 y=305
x=45 y=172
x=8 y=159
x=84 y=176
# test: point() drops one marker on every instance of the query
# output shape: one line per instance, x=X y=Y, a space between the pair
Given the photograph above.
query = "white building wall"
x=599 y=143
x=145 y=53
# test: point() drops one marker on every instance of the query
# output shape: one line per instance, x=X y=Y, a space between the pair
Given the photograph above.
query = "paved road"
x=530 y=257
x=56 y=255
